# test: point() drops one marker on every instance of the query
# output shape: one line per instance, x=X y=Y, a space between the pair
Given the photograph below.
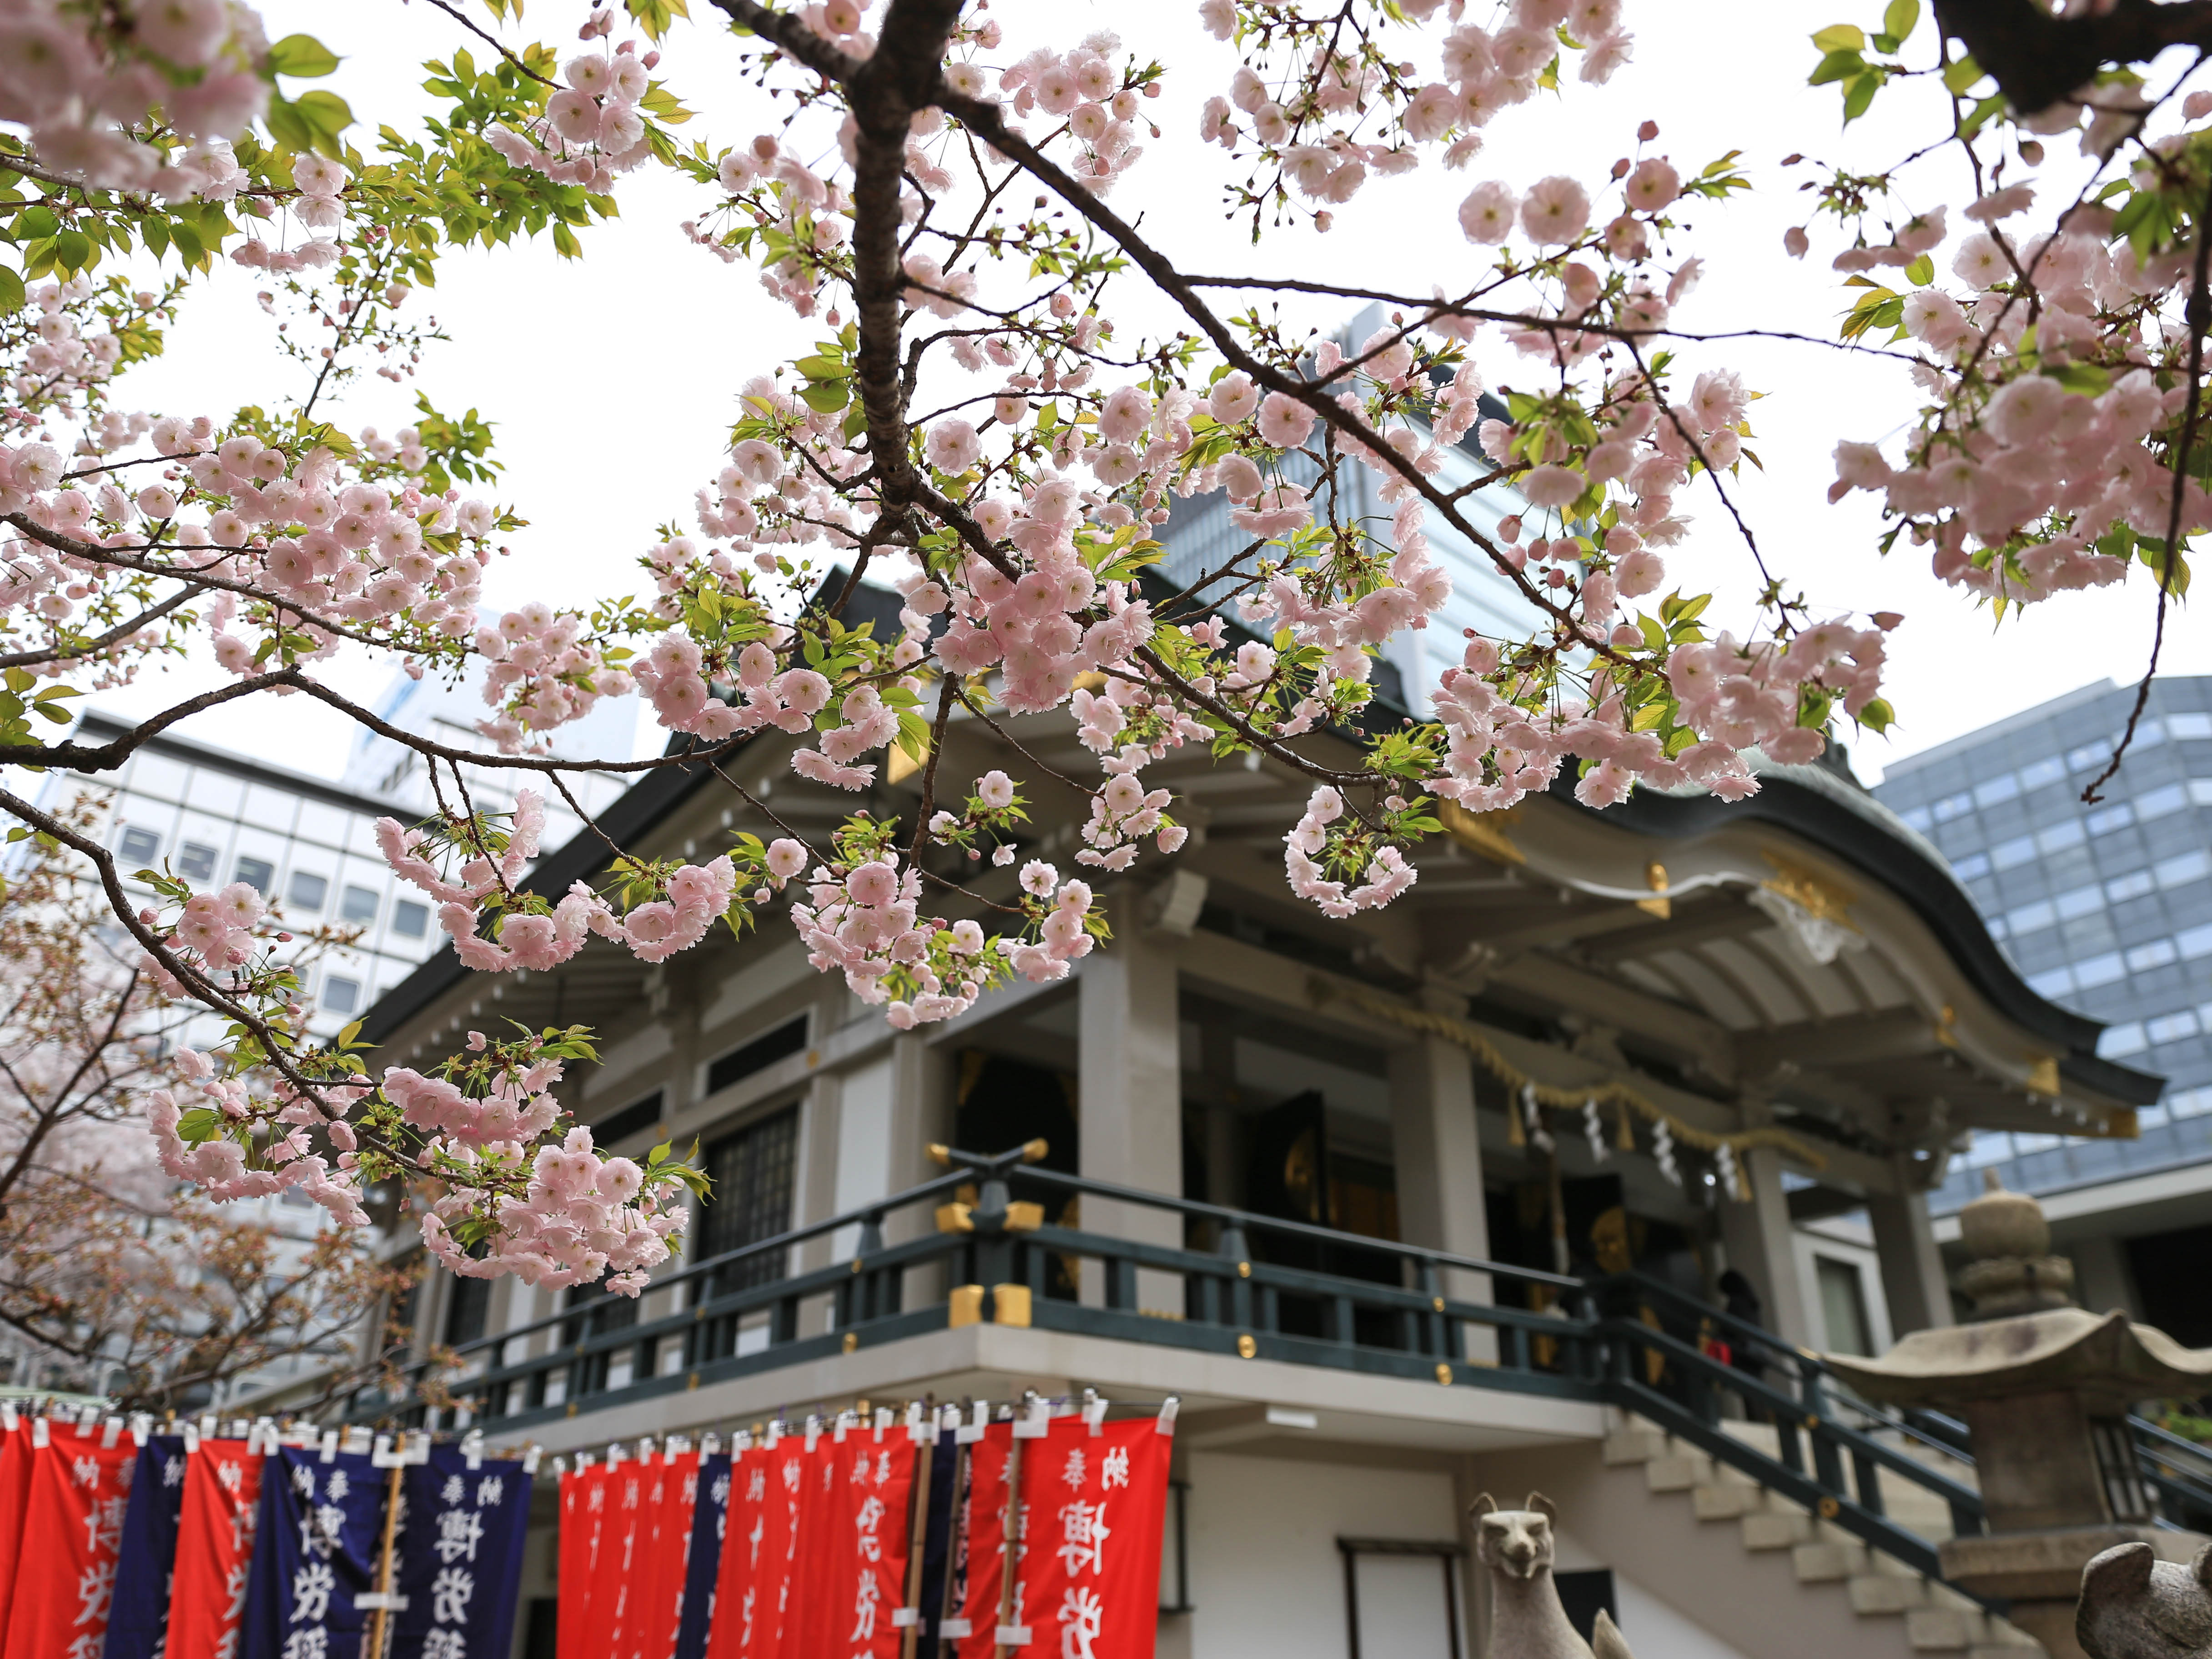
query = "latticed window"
x=752 y=1173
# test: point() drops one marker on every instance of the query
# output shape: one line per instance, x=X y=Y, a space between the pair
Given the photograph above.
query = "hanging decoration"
x=147 y=1559
x=1594 y=1132
x=1526 y=1088
x=1662 y=1152
x=214 y=1542
x=459 y=1568
x=315 y=1551
x=1724 y=1165
x=64 y=1576
x=1539 y=1136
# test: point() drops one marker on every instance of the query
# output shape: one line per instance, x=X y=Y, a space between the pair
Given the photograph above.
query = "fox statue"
x=1526 y=1618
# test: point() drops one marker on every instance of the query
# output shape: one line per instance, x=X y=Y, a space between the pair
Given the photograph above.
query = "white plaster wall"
x=863 y=1145
x=1266 y=1580
x=1653 y=1629
x=1839 y=1242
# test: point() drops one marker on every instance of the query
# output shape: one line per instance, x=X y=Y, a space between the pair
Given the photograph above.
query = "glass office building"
x=2104 y=907
x=308 y=846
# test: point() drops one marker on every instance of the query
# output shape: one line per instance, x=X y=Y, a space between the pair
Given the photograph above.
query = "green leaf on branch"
x=1841 y=37
x=12 y=297
x=1858 y=94
x=1921 y=271
x=1900 y=17
x=302 y=57
x=1958 y=76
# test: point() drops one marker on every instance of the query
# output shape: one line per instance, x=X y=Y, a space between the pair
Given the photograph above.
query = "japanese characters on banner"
x=671 y=1491
x=460 y=1566
x=148 y=1559
x=317 y=1545
x=214 y=1547
x=65 y=1580
x=583 y=1520
x=1096 y=1505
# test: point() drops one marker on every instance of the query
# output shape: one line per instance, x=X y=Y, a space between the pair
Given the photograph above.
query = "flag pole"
x=925 y=1449
x=956 y=1535
x=1012 y=1531
x=392 y=1498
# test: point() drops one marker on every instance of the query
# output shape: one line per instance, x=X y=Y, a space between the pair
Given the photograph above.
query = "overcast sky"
x=611 y=379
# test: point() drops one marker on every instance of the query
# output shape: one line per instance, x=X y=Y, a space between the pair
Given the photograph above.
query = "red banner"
x=583 y=1508
x=618 y=1608
x=1087 y=1577
x=867 y=1545
x=14 y=1493
x=671 y=1496
x=1090 y=1572
x=215 y=1550
x=72 y=1528
x=742 y=1627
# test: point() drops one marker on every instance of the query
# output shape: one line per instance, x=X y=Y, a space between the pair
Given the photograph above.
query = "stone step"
x=1678 y=1470
x=1884 y=1592
x=1726 y=1500
x=1775 y=1529
x=1824 y=1563
x=1631 y=1444
x=1945 y=1630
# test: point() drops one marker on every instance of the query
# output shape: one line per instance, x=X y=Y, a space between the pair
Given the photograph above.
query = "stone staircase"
x=1930 y=1617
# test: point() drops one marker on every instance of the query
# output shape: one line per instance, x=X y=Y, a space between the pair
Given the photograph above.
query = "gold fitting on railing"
x=1444 y=1373
x=1024 y=1217
x=852 y=1340
x=1035 y=1151
x=1244 y=1270
x=1829 y=1508
x=856 y=1264
x=1437 y=1303
x=1010 y=1304
x=964 y=1306
x=955 y=1218
x=1246 y=1347
x=940 y=1154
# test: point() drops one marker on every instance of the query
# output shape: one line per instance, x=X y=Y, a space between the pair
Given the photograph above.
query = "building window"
x=2172 y=1028
x=2117 y=1040
x=140 y=847
x=2089 y=754
x=195 y=861
x=360 y=904
x=2156 y=954
x=2098 y=970
x=2134 y=885
x=1918 y=818
x=2158 y=802
x=1843 y=1305
x=620 y=1126
x=2112 y=819
x=1952 y=806
x=2189 y=725
x=2179 y=871
x=2058 y=837
x=2079 y=902
x=2036 y=773
x=752 y=1173
x=307 y=889
x=257 y=873
x=466 y=1306
x=409 y=917
x=2006 y=853
x=1997 y=791
x=1974 y=865
x=2059 y=980
x=757 y=1056
x=2029 y=917
x=2196 y=942
x=341 y=995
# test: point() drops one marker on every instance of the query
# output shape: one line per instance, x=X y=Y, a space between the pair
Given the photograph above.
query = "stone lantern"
x=2045 y=1389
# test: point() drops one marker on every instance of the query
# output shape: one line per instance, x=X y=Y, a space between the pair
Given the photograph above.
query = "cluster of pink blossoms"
x=1388 y=873
x=592 y=129
x=218 y=1165
x=1082 y=89
x=579 y=1215
x=697 y=896
x=319 y=206
x=2022 y=465
x=76 y=80
x=1483 y=72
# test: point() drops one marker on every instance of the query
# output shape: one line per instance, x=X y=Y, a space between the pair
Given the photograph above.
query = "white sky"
x=611 y=380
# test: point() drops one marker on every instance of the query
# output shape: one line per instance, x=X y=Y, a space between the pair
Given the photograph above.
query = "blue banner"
x=710 y=1515
x=147 y=1556
x=460 y=1558
x=315 y=1551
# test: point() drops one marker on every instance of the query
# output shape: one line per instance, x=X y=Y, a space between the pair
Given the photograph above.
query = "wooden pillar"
x=1130 y=1104
x=1913 y=1281
x=1437 y=1151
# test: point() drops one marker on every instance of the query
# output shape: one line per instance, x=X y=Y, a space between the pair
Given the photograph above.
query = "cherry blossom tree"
x=115 y=1278
x=954 y=196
